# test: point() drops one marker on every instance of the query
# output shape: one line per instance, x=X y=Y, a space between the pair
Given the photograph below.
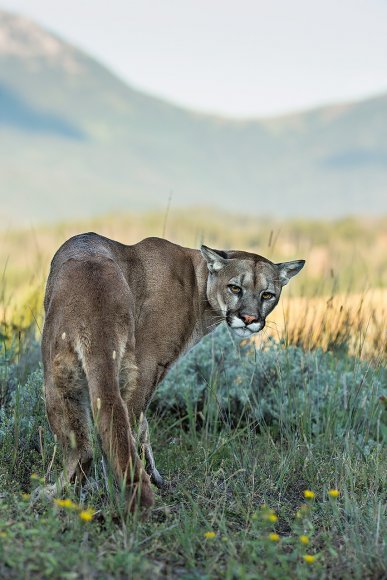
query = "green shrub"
x=26 y=442
x=292 y=392
x=314 y=393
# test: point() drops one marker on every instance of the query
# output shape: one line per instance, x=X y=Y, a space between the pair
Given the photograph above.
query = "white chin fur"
x=240 y=329
x=242 y=332
x=255 y=327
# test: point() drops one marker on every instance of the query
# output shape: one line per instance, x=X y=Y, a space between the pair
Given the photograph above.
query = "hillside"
x=76 y=141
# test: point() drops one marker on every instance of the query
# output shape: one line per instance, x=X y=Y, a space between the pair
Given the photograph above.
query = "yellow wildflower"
x=334 y=492
x=87 y=515
x=34 y=476
x=25 y=496
x=69 y=504
x=66 y=503
x=304 y=539
x=3 y=534
x=274 y=537
x=308 y=494
x=59 y=502
x=309 y=559
x=210 y=535
x=269 y=514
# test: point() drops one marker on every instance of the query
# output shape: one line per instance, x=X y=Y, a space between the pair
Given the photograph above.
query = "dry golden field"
x=340 y=298
x=354 y=321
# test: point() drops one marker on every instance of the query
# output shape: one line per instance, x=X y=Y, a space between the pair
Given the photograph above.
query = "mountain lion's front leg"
x=144 y=441
x=136 y=397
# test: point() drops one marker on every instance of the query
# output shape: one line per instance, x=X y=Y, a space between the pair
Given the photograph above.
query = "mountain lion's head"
x=244 y=288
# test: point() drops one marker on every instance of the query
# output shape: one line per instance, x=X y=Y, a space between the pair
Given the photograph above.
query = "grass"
x=239 y=432
x=232 y=481
x=356 y=322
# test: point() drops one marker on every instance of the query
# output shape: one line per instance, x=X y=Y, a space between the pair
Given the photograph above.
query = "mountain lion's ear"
x=289 y=269
x=216 y=260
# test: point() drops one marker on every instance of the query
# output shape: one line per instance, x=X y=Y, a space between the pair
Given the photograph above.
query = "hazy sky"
x=244 y=58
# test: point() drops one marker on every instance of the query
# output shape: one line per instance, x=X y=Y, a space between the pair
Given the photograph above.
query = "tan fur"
x=117 y=317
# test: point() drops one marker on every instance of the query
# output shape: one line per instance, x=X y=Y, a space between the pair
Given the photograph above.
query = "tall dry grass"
x=338 y=301
x=356 y=323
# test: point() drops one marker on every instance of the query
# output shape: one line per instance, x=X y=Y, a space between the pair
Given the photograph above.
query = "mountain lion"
x=117 y=318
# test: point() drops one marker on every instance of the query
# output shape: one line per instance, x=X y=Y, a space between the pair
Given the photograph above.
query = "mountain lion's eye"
x=266 y=295
x=235 y=289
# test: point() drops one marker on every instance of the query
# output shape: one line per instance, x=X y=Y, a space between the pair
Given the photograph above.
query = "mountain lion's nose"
x=247 y=319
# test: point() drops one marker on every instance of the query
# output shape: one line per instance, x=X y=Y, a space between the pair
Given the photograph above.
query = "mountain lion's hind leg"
x=67 y=413
x=144 y=441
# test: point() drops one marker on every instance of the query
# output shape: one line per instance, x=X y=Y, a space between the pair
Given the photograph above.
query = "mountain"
x=77 y=141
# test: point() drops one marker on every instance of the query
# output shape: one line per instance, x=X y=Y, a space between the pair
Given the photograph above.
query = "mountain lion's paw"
x=156 y=478
x=44 y=493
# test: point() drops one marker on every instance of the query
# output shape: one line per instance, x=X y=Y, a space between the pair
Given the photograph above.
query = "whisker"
x=219 y=319
x=213 y=324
